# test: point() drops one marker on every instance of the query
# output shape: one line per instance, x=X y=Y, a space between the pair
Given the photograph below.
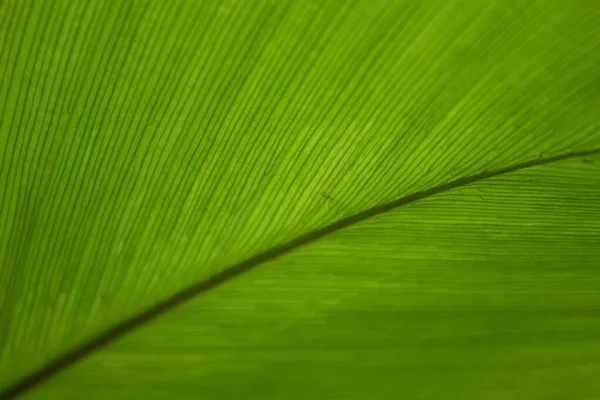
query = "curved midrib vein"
x=115 y=332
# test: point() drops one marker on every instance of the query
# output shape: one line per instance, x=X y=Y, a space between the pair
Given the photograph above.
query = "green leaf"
x=299 y=199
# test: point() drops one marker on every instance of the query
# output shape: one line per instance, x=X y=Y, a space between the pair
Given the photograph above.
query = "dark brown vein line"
x=112 y=334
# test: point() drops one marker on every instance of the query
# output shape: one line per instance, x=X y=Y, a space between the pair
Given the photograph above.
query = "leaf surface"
x=148 y=146
x=486 y=291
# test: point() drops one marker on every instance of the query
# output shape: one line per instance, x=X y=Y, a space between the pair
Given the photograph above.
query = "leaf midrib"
x=72 y=356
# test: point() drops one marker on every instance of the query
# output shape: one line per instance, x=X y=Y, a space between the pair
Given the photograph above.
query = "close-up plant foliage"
x=299 y=199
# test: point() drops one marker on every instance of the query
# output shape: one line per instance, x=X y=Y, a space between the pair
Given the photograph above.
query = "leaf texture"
x=150 y=145
x=486 y=291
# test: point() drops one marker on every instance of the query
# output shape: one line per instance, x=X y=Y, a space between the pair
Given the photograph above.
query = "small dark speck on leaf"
x=326 y=196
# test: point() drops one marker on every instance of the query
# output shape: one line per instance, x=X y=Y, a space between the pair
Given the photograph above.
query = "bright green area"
x=147 y=145
x=487 y=292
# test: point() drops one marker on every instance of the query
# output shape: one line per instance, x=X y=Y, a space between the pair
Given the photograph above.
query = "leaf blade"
x=451 y=294
x=119 y=200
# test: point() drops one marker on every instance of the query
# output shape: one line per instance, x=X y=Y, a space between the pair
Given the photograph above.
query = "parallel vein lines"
x=117 y=331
